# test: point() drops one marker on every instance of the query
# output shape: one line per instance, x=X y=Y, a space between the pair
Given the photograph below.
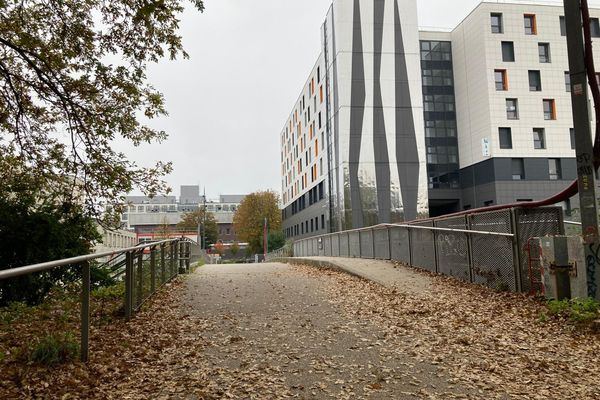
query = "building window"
x=567 y=81
x=530 y=24
x=512 y=109
x=572 y=138
x=505 y=136
x=508 y=51
x=544 y=52
x=554 y=169
x=501 y=79
x=595 y=27
x=549 y=109
x=539 y=138
x=496 y=22
x=322 y=221
x=563 y=26
x=518 y=170
x=535 y=81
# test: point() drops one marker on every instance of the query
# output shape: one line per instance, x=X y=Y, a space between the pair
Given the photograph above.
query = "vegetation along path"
x=268 y=331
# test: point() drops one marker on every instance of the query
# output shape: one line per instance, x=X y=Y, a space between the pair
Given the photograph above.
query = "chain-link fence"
x=486 y=248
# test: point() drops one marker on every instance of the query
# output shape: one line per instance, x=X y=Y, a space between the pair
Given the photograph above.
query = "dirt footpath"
x=272 y=320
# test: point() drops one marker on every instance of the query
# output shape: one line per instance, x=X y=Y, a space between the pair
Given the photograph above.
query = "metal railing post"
x=128 y=284
x=516 y=243
x=152 y=269
x=410 y=248
x=469 y=247
x=436 y=260
x=85 y=311
x=162 y=264
x=139 y=277
x=171 y=260
x=373 y=238
x=176 y=269
x=188 y=255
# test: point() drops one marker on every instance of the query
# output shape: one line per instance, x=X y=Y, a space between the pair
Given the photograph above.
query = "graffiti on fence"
x=592 y=263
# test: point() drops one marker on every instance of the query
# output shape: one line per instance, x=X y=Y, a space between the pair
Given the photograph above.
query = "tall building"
x=396 y=123
x=353 y=151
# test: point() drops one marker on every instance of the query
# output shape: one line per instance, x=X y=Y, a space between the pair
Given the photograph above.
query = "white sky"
x=227 y=104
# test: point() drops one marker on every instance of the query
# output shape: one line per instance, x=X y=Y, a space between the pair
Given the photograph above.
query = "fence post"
x=153 y=269
x=85 y=311
x=128 y=284
x=410 y=247
x=171 y=259
x=389 y=229
x=348 y=241
x=435 y=249
x=139 y=277
x=469 y=246
x=162 y=264
x=373 y=239
x=176 y=263
x=516 y=243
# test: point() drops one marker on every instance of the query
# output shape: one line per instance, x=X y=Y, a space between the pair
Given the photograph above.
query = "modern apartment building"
x=353 y=151
x=395 y=123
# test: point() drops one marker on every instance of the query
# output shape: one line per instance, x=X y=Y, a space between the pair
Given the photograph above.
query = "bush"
x=32 y=233
x=575 y=310
x=55 y=349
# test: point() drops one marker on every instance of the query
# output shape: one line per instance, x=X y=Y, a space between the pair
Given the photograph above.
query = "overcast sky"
x=227 y=104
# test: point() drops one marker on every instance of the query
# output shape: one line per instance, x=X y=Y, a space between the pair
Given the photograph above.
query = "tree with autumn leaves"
x=250 y=217
x=190 y=221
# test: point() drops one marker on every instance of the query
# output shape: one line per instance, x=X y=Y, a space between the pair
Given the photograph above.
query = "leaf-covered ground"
x=272 y=331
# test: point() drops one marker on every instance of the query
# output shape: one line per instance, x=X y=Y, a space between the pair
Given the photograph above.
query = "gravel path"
x=277 y=320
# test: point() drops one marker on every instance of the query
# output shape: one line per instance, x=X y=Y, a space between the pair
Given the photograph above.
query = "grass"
x=55 y=349
x=41 y=334
x=576 y=311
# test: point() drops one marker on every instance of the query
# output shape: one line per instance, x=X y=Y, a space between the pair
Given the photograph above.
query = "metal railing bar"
x=28 y=269
x=572 y=223
x=432 y=228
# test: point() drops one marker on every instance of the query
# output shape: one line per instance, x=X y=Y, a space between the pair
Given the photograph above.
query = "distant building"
x=151 y=217
x=114 y=240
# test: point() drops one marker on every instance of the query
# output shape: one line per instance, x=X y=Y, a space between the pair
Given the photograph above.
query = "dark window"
x=535 y=81
x=322 y=221
x=518 y=171
x=595 y=27
x=488 y=203
x=544 y=52
x=554 y=169
x=567 y=81
x=572 y=138
x=316 y=223
x=563 y=26
x=319 y=120
x=508 y=51
x=512 y=109
x=505 y=136
x=302 y=225
x=312 y=225
x=501 y=79
x=496 y=22
x=549 y=109
x=318 y=74
x=530 y=24
x=539 y=138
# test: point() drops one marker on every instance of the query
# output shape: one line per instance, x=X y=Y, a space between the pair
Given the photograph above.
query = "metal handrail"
x=179 y=255
x=410 y=226
x=29 y=269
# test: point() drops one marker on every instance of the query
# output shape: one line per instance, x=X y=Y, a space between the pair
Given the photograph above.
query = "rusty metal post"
x=85 y=311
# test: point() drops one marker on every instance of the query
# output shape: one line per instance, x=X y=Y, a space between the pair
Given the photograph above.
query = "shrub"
x=575 y=310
